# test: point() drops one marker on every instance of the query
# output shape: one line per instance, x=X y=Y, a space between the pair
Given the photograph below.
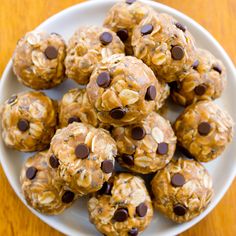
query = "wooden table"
x=20 y=16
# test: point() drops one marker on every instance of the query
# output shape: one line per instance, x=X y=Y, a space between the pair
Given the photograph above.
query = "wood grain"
x=20 y=16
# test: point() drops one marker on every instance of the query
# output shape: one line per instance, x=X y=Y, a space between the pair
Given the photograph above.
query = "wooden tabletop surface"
x=20 y=16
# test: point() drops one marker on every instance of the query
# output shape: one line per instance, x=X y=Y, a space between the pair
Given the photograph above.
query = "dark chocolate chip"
x=31 y=172
x=82 y=151
x=195 y=64
x=180 y=210
x=162 y=148
x=123 y=34
x=133 y=232
x=107 y=166
x=180 y=26
x=177 y=52
x=23 y=125
x=106 y=38
x=51 y=52
x=146 y=29
x=12 y=99
x=68 y=197
x=128 y=159
x=217 y=68
x=204 y=128
x=121 y=215
x=141 y=209
x=117 y=113
x=103 y=80
x=106 y=188
x=130 y=1
x=177 y=180
x=73 y=119
x=138 y=133
x=54 y=162
x=200 y=89
x=151 y=93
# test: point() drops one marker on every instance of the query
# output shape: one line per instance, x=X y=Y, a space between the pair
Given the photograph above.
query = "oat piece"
x=204 y=129
x=38 y=60
x=125 y=209
x=182 y=190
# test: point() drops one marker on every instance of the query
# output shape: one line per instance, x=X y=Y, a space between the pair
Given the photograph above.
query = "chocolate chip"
x=177 y=52
x=180 y=26
x=174 y=85
x=146 y=29
x=82 y=151
x=217 y=68
x=121 y=215
x=117 y=113
x=133 y=232
x=106 y=38
x=23 y=125
x=103 y=80
x=151 y=93
x=180 y=210
x=204 y=128
x=130 y=1
x=54 y=162
x=128 y=159
x=200 y=89
x=51 y=52
x=138 y=133
x=68 y=197
x=123 y=34
x=106 y=188
x=195 y=64
x=31 y=172
x=162 y=148
x=107 y=166
x=12 y=99
x=177 y=180
x=73 y=119
x=141 y=209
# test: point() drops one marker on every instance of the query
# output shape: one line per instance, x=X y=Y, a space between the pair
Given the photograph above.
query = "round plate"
x=74 y=221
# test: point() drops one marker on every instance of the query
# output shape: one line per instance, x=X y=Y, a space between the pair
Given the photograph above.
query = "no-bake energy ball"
x=123 y=17
x=42 y=188
x=84 y=156
x=76 y=107
x=29 y=121
x=204 y=81
x=88 y=46
x=182 y=190
x=122 y=207
x=165 y=45
x=124 y=90
x=38 y=60
x=146 y=146
x=204 y=130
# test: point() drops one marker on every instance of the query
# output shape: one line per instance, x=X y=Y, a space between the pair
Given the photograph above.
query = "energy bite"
x=88 y=46
x=122 y=207
x=205 y=80
x=84 y=157
x=165 y=45
x=42 y=188
x=182 y=190
x=123 y=17
x=38 y=60
x=124 y=90
x=146 y=146
x=204 y=130
x=29 y=121
x=76 y=107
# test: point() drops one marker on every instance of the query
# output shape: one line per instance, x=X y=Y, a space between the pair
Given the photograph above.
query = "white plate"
x=74 y=221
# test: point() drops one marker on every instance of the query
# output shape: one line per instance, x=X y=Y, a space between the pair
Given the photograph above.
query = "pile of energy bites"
x=130 y=65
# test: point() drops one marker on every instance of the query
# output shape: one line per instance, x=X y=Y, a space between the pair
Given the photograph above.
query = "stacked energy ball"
x=129 y=66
